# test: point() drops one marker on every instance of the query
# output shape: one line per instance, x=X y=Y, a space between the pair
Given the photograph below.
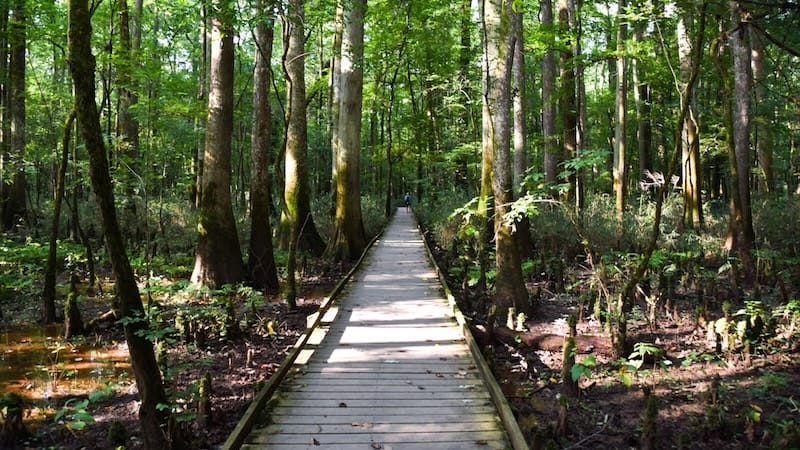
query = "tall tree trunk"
x=580 y=101
x=296 y=218
x=618 y=316
x=465 y=68
x=741 y=134
x=261 y=260
x=763 y=112
x=523 y=226
x=567 y=100
x=198 y=162
x=49 y=293
x=621 y=107
x=549 y=130
x=218 y=258
x=388 y=209
x=14 y=205
x=349 y=238
x=690 y=139
x=152 y=417
x=644 y=133
x=510 y=288
x=335 y=95
x=127 y=124
x=5 y=127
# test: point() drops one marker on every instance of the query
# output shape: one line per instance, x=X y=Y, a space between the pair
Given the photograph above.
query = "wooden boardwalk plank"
x=366 y=436
x=391 y=369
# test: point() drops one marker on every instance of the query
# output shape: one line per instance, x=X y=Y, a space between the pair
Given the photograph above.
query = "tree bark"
x=763 y=129
x=690 y=139
x=644 y=131
x=621 y=107
x=261 y=260
x=522 y=234
x=296 y=219
x=14 y=194
x=349 y=238
x=218 y=258
x=148 y=377
x=549 y=130
x=741 y=135
x=127 y=124
x=510 y=289
x=567 y=100
x=49 y=294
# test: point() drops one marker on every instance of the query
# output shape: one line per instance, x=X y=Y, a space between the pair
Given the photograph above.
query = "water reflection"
x=36 y=362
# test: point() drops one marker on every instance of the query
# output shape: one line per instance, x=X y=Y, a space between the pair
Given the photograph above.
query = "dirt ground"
x=237 y=368
x=704 y=399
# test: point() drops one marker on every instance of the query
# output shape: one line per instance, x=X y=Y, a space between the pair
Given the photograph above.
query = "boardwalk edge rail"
x=515 y=435
x=245 y=424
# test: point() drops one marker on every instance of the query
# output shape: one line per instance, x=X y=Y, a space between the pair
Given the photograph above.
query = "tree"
x=641 y=94
x=690 y=139
x=297 y=225
x=152 y=416
x=621 y=108
x=261 y=261
x=510 y=288
x=349 y=238
x=744 y=237
x=127 y=124
x=218 y=258
x=549 y=130
x=522 y=234
x=49 y=292
x=13 y=194
x=568 y=93
x=763 y=130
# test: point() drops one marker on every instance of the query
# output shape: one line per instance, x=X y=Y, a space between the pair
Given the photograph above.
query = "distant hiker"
x=407 y=200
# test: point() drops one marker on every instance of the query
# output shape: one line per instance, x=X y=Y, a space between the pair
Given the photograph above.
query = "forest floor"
x=237 y=366
x=704 y=399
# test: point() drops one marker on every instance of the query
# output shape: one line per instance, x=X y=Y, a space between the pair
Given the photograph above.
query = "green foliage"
x=583 y=368
x=74 y=415
x=695 y=357
x=787 y=434
x=771 y=384
x=22 y=268
x=642 y=350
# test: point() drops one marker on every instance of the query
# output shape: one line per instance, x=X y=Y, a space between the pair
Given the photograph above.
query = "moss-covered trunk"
x=148 y=377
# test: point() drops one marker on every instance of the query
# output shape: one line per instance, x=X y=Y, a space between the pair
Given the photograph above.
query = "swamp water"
x=39 y=364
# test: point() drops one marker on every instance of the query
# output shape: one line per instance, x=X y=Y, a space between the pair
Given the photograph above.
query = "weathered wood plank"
x=346 y=401
x=367 y=437
x=382 y=377
x=395 y=391
x=372 y=427
x=393 y=370
x=493 y=445
x=376 y=417
x=366 y=412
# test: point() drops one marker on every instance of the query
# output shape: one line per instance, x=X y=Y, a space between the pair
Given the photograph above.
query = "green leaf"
x=589 y=361
x=578 y=370
x=76 y=425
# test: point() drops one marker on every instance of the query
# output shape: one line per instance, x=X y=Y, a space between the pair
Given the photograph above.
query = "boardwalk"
x=392 y=371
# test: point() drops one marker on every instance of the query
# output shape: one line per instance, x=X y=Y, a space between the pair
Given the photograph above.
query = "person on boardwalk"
x=407 y=201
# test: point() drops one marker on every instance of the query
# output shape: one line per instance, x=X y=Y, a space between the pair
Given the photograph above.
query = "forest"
x=610 y=187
